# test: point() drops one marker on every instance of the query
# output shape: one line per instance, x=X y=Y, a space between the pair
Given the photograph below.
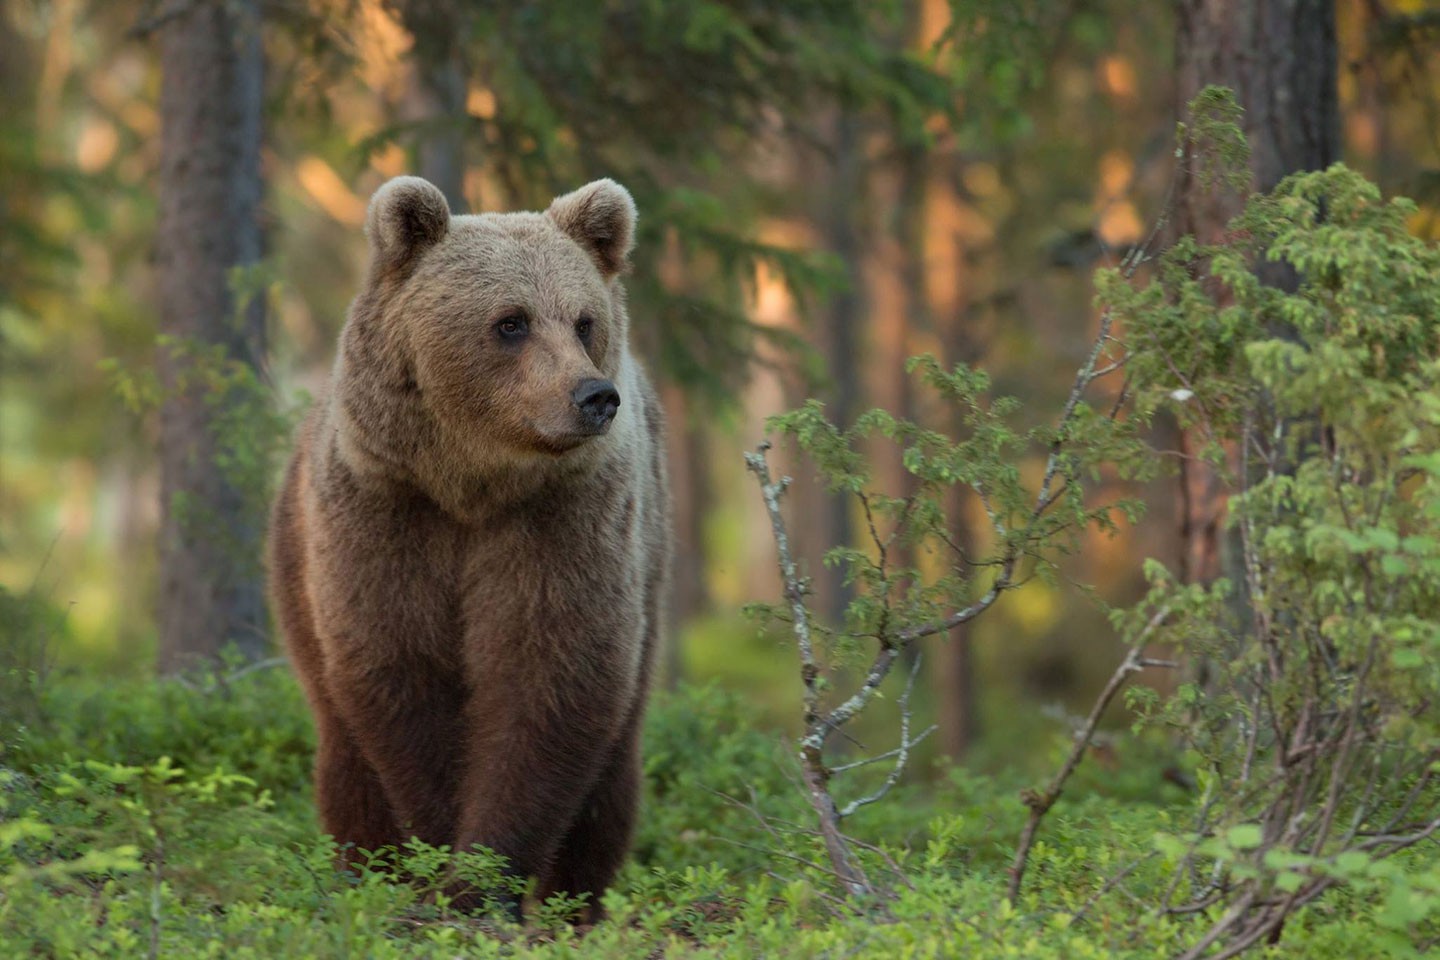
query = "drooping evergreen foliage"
x=666 y=98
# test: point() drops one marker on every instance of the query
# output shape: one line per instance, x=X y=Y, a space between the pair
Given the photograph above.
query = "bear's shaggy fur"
x=467 y=566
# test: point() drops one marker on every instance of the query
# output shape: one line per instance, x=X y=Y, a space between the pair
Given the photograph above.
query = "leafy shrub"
x=1316 y=734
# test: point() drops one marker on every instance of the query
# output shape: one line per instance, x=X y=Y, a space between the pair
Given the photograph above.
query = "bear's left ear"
x=600 y=216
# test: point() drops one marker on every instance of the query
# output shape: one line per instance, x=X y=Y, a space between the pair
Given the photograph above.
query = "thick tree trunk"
x=1279 y=56
x=211 y=590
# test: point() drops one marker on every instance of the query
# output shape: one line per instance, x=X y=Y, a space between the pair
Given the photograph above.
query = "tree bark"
x=211 y=93
x=1279 y=56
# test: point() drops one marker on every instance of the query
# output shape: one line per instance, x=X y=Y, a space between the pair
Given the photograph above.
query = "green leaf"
x=1244 y=836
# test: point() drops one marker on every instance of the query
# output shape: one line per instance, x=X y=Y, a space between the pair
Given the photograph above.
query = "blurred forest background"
x=826 y=189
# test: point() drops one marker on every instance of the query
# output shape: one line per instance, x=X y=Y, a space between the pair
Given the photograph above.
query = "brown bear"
x=468 y=552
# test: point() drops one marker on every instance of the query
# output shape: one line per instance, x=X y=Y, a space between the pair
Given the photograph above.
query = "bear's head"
x=508 y=330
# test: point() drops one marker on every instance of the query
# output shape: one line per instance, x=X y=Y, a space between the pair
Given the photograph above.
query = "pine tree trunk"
x=1279 y=56
x=211 y=591
x=959 y=714
x=439 y=93
x=691 y=499
x=952 y=664
x=843 y=325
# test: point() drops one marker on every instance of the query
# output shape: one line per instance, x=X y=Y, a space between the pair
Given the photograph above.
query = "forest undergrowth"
x=175 y=819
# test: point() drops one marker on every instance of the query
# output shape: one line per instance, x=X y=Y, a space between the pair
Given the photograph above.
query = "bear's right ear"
x=407 y=216
x=600 y=216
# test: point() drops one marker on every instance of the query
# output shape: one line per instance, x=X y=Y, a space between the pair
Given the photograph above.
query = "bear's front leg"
x=598 y=840
x=351 y=799
x=534 y=760
x=405 y=717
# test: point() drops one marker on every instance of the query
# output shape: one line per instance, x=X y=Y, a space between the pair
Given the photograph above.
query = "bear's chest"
x=559 y=576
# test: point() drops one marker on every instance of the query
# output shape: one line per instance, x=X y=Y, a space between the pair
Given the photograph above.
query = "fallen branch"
x=219 y=683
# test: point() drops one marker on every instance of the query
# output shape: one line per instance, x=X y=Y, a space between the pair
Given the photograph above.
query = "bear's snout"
x=597 y=401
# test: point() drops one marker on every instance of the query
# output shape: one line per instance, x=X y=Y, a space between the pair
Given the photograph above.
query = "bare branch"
x=903 y=752
x=962 y=616
x=222 y=683
x=772 y=491
x=812 y=760
x=856 y=764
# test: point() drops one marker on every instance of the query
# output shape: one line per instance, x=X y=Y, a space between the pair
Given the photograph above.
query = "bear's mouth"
x=558 y=444
x=563 y=445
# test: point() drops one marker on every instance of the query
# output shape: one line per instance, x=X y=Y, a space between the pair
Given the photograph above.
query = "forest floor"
x=169 y=819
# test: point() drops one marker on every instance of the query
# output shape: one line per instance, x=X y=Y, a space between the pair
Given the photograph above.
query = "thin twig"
x=266 y=664
x=1041 y=802
x=222 y=682
x=1109 y=885
x=856 y=764
x=902 y=756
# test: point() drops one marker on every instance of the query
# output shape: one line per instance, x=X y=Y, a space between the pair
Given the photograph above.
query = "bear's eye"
x=512 y=327
x=582 y=328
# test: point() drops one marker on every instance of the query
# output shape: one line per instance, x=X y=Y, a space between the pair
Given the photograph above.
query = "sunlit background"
x=968 y=231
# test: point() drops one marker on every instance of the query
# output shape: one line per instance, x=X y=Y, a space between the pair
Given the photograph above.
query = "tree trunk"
x=953 y=664
x=211 y=590
x=691 y=498
x=1279 y=56
x=959 y=714
x=844 y=321
x=439 y=94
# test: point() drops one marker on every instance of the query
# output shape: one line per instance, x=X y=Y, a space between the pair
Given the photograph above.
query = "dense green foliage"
x=1315 y=729
x=183 y=813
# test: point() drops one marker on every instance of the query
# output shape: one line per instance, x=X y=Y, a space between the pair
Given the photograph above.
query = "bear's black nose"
x=598 y=400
